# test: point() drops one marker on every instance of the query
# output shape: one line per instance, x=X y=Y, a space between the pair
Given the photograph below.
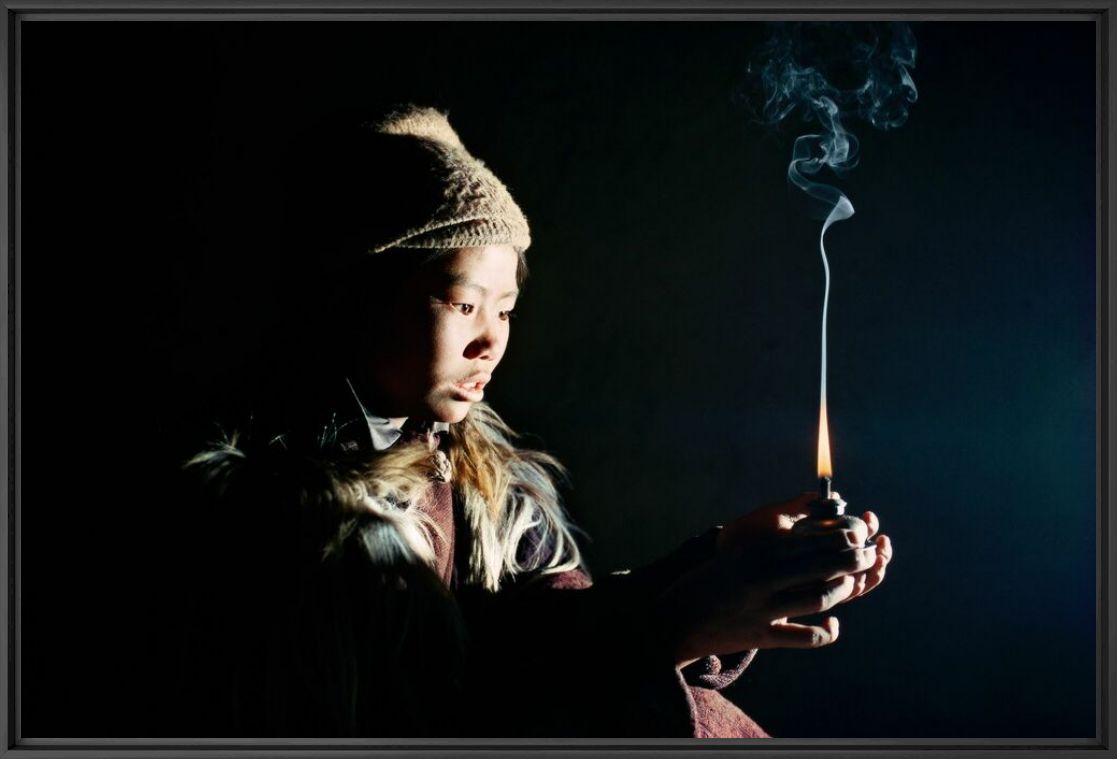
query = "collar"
x=382 y=435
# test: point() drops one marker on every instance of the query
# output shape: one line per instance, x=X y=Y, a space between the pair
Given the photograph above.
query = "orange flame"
x=824 y=467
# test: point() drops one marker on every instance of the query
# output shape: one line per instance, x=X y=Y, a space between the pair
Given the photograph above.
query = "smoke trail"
x=825 y=72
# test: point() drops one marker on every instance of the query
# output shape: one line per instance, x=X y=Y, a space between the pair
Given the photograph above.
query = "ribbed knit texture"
x=475 y=208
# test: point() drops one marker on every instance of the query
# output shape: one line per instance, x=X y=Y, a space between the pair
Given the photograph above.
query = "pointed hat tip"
x=424 y=123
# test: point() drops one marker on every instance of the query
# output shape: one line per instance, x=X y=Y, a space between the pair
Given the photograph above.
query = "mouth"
x=472 y=388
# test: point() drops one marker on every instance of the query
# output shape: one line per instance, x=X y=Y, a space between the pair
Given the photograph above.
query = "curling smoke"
x=824 y=73
x=827 y=72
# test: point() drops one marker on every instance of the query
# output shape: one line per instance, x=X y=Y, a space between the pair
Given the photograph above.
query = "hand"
x=874 y=576
x=764 y=574
x=748 y=532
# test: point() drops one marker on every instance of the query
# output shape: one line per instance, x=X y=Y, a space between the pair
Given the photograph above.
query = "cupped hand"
x=754 y=529
x=764 y=574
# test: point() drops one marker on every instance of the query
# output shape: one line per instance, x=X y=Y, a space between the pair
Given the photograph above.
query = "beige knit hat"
x=475 y=208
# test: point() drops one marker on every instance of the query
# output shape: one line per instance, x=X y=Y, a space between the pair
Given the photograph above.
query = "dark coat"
x=309 y=622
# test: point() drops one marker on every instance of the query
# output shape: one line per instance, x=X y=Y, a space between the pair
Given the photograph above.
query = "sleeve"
x=715 y=672
x=558 y=655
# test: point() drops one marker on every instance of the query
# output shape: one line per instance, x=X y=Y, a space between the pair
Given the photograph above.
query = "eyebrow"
x=461 y=282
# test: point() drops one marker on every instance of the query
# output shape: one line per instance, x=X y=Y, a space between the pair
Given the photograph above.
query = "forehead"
x=493 y=267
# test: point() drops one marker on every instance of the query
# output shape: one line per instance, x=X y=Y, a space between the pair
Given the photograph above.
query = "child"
x=395 y=563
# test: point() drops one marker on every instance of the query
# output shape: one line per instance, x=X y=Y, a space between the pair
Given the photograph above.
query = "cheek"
x=449 y=337
x=403 y=350
x=407 y=329
x=505 y=336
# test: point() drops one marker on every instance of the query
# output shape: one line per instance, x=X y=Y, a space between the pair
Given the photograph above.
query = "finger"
x=859 y=527
x=777 y=517
x=825 y=567
x=861 y=584
x=800 y=602
x=793 y=635
x=838 y=539
x=790 y=512
x=847 y=523
x=873 y=523
x=884 y=547
x=874 y=576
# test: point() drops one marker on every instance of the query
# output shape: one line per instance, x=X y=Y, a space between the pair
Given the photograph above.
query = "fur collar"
x=330 y=474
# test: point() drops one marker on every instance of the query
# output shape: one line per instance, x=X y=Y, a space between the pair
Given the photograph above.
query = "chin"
x=451 y=412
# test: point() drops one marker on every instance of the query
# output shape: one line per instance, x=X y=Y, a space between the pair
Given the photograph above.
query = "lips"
x=474 y=381
x=472 y=388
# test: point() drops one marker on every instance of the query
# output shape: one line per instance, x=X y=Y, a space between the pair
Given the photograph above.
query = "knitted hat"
x=469 y=207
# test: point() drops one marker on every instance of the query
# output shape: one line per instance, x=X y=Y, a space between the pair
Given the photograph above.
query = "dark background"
x=667 y=349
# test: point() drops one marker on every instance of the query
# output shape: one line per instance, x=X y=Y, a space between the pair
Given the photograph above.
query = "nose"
x=489 y=343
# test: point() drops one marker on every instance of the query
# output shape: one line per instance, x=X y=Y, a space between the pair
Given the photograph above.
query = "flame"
x=824 y=467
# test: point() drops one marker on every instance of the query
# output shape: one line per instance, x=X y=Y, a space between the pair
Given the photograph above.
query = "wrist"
x=668 y=634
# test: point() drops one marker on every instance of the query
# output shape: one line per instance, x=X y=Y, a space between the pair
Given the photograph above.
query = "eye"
x=507 y=315
x=465 y=309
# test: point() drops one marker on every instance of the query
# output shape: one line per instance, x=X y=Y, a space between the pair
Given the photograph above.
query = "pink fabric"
x=715 y=716
x=438 y=504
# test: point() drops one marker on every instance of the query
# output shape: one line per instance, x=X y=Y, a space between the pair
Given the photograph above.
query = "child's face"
x=451 y=332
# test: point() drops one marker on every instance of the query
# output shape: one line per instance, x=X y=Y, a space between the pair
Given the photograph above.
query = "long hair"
x=511 y=502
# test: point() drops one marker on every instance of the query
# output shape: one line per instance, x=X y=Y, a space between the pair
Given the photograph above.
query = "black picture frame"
x=1101 y=13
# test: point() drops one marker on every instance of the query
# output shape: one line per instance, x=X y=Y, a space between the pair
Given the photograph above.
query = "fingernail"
x=851 y=538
